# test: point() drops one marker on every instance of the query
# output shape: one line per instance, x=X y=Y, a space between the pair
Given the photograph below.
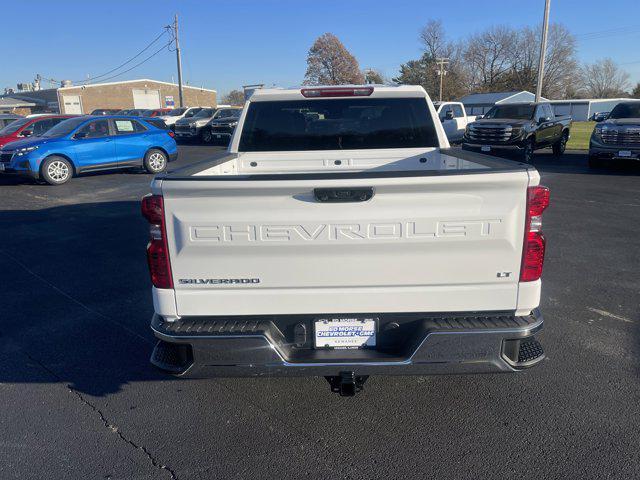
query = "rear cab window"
x=337 y=124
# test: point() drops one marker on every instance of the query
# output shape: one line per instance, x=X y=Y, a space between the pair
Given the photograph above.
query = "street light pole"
x=178 y=60
x=543 y=49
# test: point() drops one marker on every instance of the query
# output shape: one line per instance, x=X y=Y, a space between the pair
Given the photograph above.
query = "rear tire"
x=561 y=145
x=155 y=161
x=56 y=170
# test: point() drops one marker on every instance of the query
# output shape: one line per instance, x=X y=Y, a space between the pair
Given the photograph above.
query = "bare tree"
x=234 y=97
x=560 y=62
x=488 y=58
x=498 y=58
x=604 y=79
x=434 y=40
x=560 y=65
x=424 y=71
x=330 y=63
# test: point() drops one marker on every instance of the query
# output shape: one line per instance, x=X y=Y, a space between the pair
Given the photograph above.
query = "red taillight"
x=171 y=134
x=153 y=209
x=533 y=257
x=157 y=249
x=534 y=241
x=538 y=200
x=337 y=92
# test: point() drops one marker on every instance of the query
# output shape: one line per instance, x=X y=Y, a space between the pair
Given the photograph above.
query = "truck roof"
x=295 y=93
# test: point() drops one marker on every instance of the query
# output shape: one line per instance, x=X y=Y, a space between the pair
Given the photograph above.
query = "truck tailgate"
x=420 y=244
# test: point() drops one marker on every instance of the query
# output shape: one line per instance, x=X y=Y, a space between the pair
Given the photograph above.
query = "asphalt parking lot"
x=80 y=399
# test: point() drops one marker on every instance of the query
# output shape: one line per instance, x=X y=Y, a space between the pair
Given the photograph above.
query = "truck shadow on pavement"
x=75 y=297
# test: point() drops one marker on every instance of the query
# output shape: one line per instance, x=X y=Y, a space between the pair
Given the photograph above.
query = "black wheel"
x=527 y=151
x=56 y=170
x=206 y=135
x=595 y=162
x=155 y=161
x=561 y=145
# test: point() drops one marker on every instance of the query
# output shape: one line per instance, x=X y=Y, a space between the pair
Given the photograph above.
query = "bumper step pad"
x=172 y=357
x=530 y=350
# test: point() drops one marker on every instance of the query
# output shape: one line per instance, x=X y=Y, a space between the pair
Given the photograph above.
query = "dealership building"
x=82 y=99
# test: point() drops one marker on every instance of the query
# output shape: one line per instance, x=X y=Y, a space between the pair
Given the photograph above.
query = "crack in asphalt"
x=110 y=426
x=113 y=428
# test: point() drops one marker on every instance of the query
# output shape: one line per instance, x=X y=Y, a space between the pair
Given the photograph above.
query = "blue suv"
x=91 y=143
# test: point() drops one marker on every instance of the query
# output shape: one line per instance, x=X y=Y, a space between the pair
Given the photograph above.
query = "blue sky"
x=226 y=44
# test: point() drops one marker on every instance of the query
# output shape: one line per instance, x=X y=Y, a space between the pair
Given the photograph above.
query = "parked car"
x=156 y=112
x=617 y=137
x=600 y=116
x=221 y=127
x=519 y=127
x=90 y=143
x=29 y=126
x=7 y=118
x=341 y=238
x=192 y=128
x=179 y=113
x=105 y=111
x=196 y=126
x=454 y=119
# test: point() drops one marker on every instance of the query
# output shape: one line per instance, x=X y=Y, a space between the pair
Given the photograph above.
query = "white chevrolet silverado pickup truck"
x=341 y=237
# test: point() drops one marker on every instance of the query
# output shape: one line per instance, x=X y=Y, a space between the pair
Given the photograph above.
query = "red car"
x=156 y=112
x=29 y=126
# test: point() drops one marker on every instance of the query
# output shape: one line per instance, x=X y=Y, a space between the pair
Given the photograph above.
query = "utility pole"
x=178 y=60
x=442 y=65
x=543 y=49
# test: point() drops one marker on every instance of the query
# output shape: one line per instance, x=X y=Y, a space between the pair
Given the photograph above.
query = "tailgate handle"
x=343 y=195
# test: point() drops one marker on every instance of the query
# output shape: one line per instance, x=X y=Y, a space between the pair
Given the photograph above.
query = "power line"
x=90 y=79
x=139 y=63
x=608 y=33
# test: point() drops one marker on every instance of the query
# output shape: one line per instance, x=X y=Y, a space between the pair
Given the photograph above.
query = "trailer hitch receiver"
x=347 y=384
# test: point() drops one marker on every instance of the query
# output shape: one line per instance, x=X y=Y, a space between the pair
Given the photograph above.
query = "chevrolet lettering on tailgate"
x=410 y=230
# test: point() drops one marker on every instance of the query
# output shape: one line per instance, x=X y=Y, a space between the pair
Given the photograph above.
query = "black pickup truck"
x=518 y=127
x=618 y=137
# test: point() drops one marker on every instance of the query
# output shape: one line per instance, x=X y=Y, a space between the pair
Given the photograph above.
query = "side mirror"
x=542 y=120
x=479 y=117
x=448 y=115
x=81 y=135
x=26 y=133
